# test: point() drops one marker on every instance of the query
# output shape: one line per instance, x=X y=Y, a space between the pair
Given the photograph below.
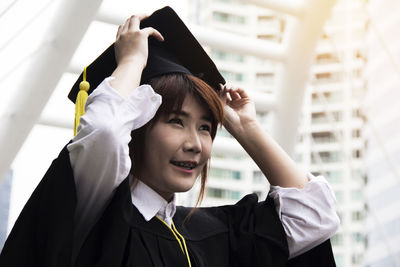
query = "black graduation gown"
x=245 y=234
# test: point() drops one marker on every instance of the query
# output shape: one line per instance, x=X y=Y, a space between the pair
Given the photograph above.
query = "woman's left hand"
x=240 y=110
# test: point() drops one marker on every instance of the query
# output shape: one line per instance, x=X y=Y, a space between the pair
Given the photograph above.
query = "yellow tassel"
x=81 y=101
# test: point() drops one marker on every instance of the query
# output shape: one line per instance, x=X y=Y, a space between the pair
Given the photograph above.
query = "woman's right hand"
x=131 y=44
x=131 y=51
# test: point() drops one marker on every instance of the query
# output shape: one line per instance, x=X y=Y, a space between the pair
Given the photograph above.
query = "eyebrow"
x=187 y=115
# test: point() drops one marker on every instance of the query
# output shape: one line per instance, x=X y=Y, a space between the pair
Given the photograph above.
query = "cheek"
x=163 y=145
x=207 y=147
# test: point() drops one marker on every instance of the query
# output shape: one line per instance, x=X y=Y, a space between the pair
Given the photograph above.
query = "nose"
x=192 y=142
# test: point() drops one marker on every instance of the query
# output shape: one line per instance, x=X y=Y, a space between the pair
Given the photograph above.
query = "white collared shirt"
x=99 y=156
x=150 y=203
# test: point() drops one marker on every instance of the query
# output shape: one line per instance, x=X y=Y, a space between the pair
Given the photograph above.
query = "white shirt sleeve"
x=308 y=215
x=99 y=153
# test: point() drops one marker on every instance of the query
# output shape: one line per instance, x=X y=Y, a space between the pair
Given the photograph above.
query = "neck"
x=165 y=195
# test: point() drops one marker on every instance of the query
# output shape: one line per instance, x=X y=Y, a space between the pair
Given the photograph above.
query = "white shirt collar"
x=150 y=203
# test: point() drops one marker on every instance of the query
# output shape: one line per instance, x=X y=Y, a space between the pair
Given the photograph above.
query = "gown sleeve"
x=257 y=235
x=308 y=215
x=54 y=219
x=247 y=234
x=99 y=153
x=42 y=234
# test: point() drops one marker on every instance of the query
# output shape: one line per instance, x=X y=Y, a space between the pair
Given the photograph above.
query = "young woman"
x=174 y=146
x=160 y=135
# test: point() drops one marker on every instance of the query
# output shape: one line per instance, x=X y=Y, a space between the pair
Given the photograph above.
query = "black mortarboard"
x=180 y=52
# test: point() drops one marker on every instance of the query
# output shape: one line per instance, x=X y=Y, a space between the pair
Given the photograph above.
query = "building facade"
x=383 y=113
x=331 y=139
x=5 y=192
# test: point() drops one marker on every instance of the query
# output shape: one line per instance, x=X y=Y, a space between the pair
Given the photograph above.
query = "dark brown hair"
x=173 y=89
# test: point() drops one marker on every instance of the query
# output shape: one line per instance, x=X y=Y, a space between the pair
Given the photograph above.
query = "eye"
x=176 y=121
x=205 y=127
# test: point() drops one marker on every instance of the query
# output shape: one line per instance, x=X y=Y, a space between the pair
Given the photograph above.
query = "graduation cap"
x=179 y=53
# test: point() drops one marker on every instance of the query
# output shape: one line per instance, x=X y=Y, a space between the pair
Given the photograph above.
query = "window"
x=231 y=18
x=234 y=195
x=337 y=240
x=236 y=175
x=226 y=56
x=356 y=133
x=357 y=259
x=323 y=137
x=339 y=259
x=358 y=54
x=356 y=154
x=325 y=58
x=219 y=54
x=225 y=174
x=327 y=97
x=223 y=193
x=356 y=113
x=232 y=76
x=356 y=195
x=258 y=177
x=339 y=196
x=264 y=78
x=334 y=176
x=327 y=157
x=356 y=216
x=269 y=37
x=357 y=237
x=325 y=117
x=327 y=77
x=214 y=192
x=324 y=75
x=265 y=18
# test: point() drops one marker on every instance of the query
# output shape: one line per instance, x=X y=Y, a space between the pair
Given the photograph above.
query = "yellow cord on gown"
x=81 y=101
x=176 y=234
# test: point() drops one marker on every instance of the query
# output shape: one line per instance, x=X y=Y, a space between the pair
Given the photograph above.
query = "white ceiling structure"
x=45 y=43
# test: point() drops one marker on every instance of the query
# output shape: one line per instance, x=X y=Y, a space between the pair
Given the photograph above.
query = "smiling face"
x=176 y=148
x=154 y=148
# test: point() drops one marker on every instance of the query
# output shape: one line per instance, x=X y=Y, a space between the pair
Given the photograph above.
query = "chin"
x=181 y=188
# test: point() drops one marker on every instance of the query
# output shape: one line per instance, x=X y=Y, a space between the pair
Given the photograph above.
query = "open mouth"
x=188 y=165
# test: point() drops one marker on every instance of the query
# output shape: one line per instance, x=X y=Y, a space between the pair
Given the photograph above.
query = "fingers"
x=133 y=24
x=119 y=32
x=233 y=93
x=125 y=26
x=149 y=31
x=224 y=95
x=134 y=21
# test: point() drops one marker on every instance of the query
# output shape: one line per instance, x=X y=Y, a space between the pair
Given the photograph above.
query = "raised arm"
x=99 y=153
x=241 y=122
x=131 y=51
x=308 y=215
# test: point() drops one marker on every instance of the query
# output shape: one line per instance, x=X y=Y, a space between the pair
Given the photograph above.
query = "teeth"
x=185 y=165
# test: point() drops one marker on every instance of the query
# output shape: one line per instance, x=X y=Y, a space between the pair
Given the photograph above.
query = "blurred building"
x=383 y=153
x=5 y=192
x=331 y=139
